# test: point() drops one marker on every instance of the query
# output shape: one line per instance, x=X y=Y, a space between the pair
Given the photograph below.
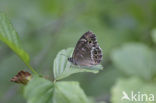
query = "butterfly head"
x=72 y=61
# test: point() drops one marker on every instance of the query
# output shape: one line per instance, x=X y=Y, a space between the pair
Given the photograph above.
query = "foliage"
x=63 y=68
x=9 y=36
x=138 y=62
x=132 y=85
x=59 y=92
x=134 y=59
x=40 y=90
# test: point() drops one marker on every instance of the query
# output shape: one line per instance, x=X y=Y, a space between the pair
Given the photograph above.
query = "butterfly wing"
x=87 y=51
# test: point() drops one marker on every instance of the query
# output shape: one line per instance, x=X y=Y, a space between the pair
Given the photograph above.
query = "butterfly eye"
x=90 y=41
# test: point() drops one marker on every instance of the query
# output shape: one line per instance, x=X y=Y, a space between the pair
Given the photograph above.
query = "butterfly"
x=87 y=51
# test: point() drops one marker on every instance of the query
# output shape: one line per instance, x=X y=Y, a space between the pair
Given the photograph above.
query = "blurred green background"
x=125 y=30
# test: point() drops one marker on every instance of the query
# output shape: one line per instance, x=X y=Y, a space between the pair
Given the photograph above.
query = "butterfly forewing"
x=87 y=51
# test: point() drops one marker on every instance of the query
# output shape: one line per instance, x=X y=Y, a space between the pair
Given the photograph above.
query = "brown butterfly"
x=87 y=51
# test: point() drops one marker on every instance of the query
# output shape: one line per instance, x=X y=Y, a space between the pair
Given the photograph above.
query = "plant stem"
x=31 y=69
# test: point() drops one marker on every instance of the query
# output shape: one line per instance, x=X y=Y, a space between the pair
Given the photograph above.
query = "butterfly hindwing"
x=87 y=51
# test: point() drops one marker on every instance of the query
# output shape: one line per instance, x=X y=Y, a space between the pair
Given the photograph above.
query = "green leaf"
x=154 y=35
x=135 y=59
x=69 y=92
x=135 y=85
x=40 y=90
x=9 y=36
x=63 y=68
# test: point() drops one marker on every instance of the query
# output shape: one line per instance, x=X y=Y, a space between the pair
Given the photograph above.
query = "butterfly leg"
x=75 y=66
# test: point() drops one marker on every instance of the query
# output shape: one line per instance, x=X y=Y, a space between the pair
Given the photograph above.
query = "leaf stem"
x=31 y=69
